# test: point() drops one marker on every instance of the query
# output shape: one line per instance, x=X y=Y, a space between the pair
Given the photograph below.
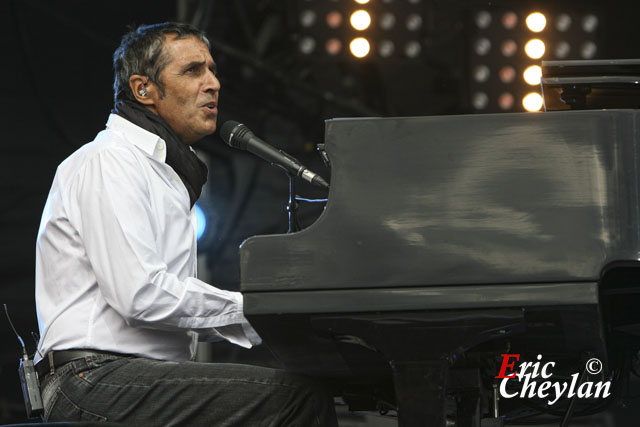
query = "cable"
x=24 y=349
x=303 y=199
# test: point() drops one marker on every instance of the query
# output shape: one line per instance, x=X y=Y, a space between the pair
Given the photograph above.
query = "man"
x=118 y=303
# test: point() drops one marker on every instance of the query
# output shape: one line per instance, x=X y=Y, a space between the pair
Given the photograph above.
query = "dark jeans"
x=148 y=392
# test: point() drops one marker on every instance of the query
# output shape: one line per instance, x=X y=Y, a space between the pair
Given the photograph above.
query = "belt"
x=55 y=359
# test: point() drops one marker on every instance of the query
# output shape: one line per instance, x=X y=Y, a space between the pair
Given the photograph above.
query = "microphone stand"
x=292 y=206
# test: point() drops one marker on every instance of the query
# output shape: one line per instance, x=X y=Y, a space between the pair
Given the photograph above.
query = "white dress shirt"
x=116 y=256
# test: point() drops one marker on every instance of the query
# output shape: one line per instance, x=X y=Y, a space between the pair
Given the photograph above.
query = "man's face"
x=190 y=101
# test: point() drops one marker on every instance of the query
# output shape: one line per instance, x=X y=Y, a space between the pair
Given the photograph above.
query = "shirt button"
x=160 y=145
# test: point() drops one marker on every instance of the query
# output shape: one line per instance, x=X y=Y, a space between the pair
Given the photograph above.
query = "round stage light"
x=506 y=101
x=481 y=73
x=334 y=19
x=534 y=48
x=414 y=22
x=509 y=20
x=360 y=20
x=307 y=18
x=588 y=50
x=507 y=74
x=359 y=47
x=386 y=48
x=412 y=49
x=562 y=49
x=307 y=45
x=508 y=48
x=536 y=22
x=532 y=75
x=483 y=19
x=333 y=46
x=589 y=23
x=362 y=1
x=563 y=22
x=387 y=21
x=480 y=101
x=482 y=46
x=532 y=102
x=201 y=222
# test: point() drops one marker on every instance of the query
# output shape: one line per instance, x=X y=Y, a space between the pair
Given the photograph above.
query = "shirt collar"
x=148 y=142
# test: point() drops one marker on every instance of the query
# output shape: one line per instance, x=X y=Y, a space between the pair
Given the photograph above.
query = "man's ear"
x=143 y=90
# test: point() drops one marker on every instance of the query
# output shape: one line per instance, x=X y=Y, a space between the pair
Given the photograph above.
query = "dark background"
x=55 y=88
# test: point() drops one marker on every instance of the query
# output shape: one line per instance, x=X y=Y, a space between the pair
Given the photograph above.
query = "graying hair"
x=141 y=51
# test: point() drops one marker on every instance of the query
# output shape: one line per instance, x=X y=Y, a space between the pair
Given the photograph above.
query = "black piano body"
x=448 y=241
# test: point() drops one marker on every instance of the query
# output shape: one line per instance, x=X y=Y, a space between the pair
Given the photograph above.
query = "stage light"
x=386 y=48
x=360 y=20
x=362 y=1
x=506 y=101
x=562 y=50
x=563 y=22
x=536 y=22
x=480 y=101
x=307 y=18
x=508 y=48
x=483 y=46
x=387 y=21
x=307 y=45
x=588 y=50
x=506 y=41
x=412 y=49
x=359 y=47
x=532 y=75
x=333 y=46
x=509 y=20
x=534 y=48
x=414 y=22
x=589 y=23
x=334 y=19
x=532 y=102
x=507 y=74
x=483 y=19
x=201 y=222
x=481 y=73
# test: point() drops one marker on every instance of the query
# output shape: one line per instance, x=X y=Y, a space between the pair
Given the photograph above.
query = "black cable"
x=24 y=349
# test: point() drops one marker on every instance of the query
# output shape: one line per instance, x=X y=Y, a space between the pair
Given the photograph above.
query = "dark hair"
x=141 y=51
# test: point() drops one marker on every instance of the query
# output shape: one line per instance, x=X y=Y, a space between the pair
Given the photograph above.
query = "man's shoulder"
x=108 y=144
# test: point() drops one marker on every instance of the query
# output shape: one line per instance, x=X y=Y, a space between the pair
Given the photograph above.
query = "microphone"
x=239 y=136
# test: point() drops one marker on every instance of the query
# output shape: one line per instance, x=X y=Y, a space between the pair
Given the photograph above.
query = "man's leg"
x=149 y=392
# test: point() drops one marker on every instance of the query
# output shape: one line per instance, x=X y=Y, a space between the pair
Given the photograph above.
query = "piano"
x=450 y=241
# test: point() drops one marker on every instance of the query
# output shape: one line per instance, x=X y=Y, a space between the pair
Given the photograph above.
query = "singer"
x=119 y=306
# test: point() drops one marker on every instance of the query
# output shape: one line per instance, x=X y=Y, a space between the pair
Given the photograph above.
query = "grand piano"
x=449 y=241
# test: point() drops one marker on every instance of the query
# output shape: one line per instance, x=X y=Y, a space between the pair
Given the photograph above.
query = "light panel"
x=507 y=44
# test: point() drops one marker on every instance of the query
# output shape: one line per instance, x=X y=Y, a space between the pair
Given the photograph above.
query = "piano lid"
x=592 y=84
x=451 y=200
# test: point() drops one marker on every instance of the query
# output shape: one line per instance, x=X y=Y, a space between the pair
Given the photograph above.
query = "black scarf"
x=191 y=170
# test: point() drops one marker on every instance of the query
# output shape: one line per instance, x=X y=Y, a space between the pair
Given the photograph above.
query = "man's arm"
x=113 y=215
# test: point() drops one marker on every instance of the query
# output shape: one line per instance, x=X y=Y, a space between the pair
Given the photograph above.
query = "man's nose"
x=211 y=82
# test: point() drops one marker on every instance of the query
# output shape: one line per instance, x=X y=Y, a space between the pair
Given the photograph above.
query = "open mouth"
x=211 y=106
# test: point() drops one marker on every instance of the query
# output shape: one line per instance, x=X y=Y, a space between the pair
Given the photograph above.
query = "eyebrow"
x=213 y=68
